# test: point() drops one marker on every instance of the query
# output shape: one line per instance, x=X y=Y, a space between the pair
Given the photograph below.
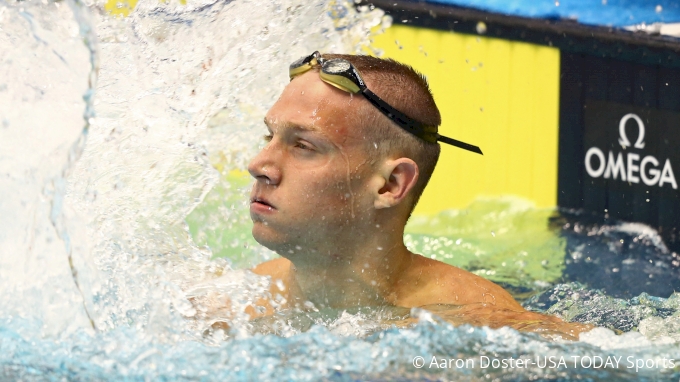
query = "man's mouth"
x=262 y=202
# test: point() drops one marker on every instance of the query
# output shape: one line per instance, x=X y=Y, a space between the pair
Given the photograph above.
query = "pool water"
x=123 y=145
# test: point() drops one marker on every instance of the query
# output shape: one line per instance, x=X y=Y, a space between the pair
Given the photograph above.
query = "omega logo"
x=631 y=169
x=623 y=141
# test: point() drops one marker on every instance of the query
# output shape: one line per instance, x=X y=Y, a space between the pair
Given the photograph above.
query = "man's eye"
x=304 y=146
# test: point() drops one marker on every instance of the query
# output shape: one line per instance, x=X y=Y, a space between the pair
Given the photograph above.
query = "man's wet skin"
x=336 y=214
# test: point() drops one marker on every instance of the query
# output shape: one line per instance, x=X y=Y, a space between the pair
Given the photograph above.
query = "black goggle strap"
x=352 y=82
x=426 y=133
x=459 y=144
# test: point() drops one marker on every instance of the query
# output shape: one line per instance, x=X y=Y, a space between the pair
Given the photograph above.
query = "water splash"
x=47 y=103
x=576 y=303
x=102 y=226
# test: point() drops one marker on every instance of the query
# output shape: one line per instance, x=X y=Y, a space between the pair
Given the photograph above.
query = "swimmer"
x=344 y=164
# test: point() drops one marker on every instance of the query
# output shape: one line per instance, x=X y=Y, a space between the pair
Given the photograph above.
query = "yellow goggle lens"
x=340 y=82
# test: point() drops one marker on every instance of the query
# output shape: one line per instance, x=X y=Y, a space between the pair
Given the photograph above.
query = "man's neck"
x=364 y=275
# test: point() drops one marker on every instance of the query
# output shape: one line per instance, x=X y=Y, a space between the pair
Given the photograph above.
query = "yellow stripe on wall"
x=500 y=95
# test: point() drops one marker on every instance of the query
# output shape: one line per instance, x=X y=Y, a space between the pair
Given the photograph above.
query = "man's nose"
x=265 y=166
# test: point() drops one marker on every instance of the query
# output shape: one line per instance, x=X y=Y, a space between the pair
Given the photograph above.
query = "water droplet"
x=658 y=9
x=481 y=27
x=386 y=21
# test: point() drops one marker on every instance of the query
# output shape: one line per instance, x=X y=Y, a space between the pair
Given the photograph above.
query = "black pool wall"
x=597 y=96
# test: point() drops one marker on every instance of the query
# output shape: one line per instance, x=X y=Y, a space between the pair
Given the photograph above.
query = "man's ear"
x=399 y=177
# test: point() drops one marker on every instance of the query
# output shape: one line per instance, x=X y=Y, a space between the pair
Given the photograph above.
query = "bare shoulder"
x=277 y=268
x=433 y=282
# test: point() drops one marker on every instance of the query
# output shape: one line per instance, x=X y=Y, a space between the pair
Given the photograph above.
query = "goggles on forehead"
x=344 y=76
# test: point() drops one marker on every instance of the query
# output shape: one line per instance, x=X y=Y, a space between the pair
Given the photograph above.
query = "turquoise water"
x=122 y=149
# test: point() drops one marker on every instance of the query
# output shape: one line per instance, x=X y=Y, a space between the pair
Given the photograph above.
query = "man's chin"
x=269 y=238
x=284 y=244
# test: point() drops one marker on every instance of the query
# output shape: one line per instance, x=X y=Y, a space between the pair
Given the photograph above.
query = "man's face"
x=311 y=177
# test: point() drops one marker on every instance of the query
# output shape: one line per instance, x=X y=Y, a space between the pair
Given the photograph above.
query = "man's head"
x=333 y=161
x=408 y=91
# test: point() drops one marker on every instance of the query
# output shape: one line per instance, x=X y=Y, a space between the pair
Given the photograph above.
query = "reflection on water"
x=118 y=209
x=623 y=259
x=503 y=239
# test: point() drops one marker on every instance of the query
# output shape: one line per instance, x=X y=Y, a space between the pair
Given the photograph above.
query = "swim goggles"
x=344 y=76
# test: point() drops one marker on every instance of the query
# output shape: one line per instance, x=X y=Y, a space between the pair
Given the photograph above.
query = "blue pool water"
x=616 y=13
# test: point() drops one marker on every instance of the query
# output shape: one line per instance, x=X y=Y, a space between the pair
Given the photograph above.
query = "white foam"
x=606 y=339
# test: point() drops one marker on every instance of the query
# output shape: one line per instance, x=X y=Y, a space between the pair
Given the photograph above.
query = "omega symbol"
x=628 y=166
x=623 y=141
